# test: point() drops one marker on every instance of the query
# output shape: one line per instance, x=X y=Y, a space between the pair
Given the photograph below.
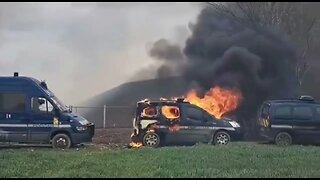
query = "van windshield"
x=55 y=100
x=60 y=105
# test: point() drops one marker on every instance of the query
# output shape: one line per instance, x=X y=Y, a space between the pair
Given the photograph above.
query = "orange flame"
x=174 y=128
x=217 y=101
x=170 y=112
x=135 y=145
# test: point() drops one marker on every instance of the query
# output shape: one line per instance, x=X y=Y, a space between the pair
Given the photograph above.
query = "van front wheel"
x=221 y=138
x=283 y=139
x=61 y=141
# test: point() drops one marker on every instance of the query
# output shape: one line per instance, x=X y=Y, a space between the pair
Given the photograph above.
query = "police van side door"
x=195 y=123
x=174 y=132
x=13 y=117
x=41 y=121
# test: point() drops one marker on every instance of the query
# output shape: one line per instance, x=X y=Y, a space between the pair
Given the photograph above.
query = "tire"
x=151 y=139
x=61 y=141
x=221 y=138
x=283 y=139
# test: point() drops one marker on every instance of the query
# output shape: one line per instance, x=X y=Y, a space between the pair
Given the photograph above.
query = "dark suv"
x=286 y=121
x=176 y=121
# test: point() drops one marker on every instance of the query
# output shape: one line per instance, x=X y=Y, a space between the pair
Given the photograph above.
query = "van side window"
x=150 y=111
x=12 y=102
x=170 y=112
x=282 y=112
x=194 y=114
x=318 y=110
x=301 y=112
x=41 y=105
x=207 y=117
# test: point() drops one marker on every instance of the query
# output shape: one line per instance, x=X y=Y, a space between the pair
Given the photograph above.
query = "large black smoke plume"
x=221 y=52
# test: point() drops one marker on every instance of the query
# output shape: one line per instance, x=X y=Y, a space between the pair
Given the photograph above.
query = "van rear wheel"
x=61 y=141
x=283 y=139
x=151 y=139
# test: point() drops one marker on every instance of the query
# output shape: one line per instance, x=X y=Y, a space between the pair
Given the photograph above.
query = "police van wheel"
x=221 y=138
x=151 y=139
x=61 y=141
x=283 y=139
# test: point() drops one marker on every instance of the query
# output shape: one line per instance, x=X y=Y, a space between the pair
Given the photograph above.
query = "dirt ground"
x=119 y=137
x=112 y=136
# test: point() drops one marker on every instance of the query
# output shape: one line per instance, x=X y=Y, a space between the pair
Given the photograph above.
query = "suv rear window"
x=282 y=112
x=302 y=112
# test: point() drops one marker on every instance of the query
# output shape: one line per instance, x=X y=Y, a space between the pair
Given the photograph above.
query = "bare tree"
x=291 y=18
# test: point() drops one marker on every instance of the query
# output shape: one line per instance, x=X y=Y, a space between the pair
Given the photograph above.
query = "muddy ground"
x=112 y=136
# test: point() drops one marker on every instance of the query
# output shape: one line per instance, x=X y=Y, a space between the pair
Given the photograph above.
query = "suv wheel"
x=61 y=141
x=283 y=139
x=221 y=138
x=151 y=139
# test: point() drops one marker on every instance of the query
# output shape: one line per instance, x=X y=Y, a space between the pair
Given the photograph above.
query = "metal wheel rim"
x=61 y=142
x=222 y=139
x=283 y=139
x=151 y=139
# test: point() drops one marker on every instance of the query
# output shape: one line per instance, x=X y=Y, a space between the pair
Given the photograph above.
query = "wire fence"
x=107 y=116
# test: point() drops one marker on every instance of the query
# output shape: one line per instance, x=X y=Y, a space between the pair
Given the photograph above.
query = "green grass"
x=233 y=160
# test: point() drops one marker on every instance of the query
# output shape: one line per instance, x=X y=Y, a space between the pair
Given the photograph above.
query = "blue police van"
x=31 y=114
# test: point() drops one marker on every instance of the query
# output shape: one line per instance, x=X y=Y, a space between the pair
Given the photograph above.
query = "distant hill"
x=121 y=101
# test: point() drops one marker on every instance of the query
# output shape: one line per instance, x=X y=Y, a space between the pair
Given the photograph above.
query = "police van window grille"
x=12 y=102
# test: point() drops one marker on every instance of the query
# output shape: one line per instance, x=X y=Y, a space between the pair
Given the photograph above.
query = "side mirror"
x=70 y=109
x=56 y=112
x=41 y=101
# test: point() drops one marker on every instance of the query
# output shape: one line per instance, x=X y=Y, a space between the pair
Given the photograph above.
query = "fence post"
x=104 y=116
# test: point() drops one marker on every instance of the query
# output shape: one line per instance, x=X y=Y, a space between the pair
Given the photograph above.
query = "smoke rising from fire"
x=220 y=52
x=82 y=49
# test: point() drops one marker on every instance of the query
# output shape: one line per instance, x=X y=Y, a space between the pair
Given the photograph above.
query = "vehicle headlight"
x=81 y=128
x=234 y=124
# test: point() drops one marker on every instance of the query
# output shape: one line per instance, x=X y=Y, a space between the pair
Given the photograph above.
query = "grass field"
x=233 y=160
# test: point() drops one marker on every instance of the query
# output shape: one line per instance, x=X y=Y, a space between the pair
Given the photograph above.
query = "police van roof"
x=26 y=78
x=22 y=80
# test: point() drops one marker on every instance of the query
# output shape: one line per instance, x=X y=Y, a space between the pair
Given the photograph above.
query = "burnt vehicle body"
x=178 y=122
x=284 y=122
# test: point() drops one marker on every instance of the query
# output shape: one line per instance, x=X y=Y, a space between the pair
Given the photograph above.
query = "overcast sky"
x=82 y=49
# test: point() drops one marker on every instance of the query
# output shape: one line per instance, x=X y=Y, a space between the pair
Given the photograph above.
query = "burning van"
x=178 y=121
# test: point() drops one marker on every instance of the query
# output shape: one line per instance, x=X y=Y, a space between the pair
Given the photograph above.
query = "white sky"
x=82 y=49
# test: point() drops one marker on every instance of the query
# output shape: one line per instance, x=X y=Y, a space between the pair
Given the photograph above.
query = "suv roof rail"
x=306 y=98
